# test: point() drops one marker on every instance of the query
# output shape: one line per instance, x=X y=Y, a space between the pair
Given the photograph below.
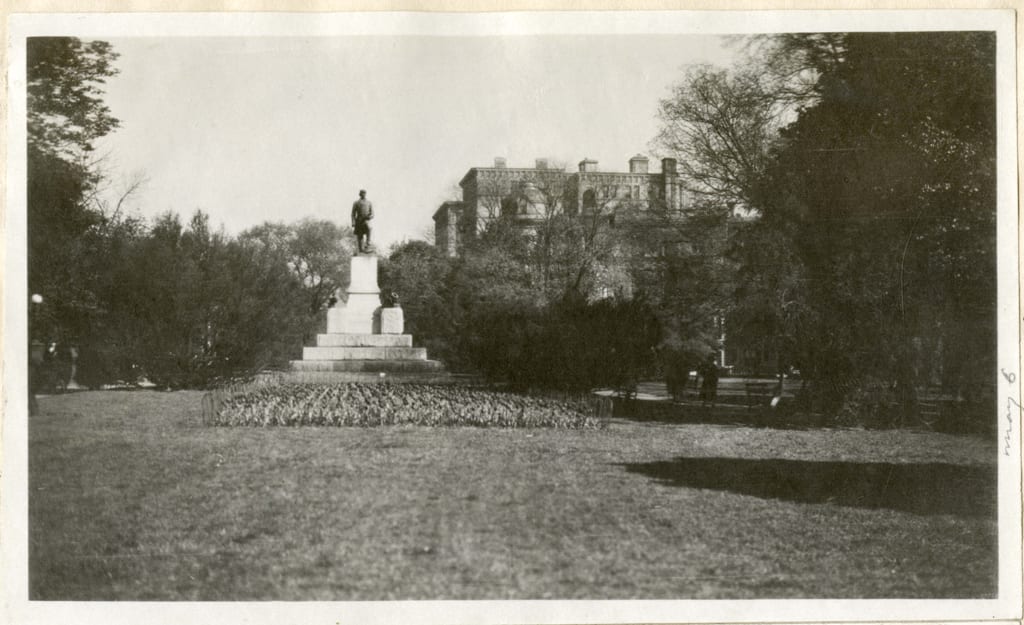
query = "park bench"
x=929 y=412
x=759 y=393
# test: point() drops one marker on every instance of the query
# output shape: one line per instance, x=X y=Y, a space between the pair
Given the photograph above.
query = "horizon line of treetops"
x=868 y=159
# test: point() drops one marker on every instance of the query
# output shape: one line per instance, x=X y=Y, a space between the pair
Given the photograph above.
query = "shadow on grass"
x=927 y=489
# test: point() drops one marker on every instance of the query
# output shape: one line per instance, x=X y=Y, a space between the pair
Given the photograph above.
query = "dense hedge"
x=572 y=345
x=355 y=404
x=489 y=312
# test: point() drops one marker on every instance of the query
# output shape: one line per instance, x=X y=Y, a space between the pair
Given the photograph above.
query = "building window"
x=589 y=199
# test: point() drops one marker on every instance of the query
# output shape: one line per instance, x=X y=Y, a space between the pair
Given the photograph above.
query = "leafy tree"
x=888 y=183
x=169 y=321
x=566 y=250
x=770 y=312
x=111 y=338
x=487 y=311
x=679 y=266
x=66 y=112
x=496 y=267
x=632 y=333
x=794 y=63
x=183 y=305
x=867 y=162
x=722 y=126
x=230 y=306
x=585 y=255
x=317 y=251
x=261 y=318
x=65 y=116
x=421 y=276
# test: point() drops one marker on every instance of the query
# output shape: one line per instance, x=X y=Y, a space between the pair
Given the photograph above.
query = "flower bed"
x=356 y=404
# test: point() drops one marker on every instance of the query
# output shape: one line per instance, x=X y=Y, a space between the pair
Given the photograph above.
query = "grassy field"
x=132 y=498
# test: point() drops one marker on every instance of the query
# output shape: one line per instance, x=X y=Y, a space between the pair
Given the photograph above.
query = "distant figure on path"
x=362 y=213
x=709 y=381
x=35 y=375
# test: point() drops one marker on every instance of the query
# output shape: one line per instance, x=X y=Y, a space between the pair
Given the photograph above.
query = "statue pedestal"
x=365 y=342
x=361 y=313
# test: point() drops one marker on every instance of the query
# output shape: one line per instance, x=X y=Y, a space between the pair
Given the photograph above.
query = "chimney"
x=668 y=166
x=499 y=162
x=542 y=163
x=638 y=164
x=587 y=165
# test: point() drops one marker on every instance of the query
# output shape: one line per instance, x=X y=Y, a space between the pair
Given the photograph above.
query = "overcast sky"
x=258 y=129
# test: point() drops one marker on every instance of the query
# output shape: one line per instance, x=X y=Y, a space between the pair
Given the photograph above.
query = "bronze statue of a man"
x=362 y=213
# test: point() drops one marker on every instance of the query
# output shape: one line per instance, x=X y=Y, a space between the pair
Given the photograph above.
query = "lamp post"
x=35 y=353
x=36 y=345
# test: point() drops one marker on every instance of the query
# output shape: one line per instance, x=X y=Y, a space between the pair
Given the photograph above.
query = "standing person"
x=709 y=381
x=35 y=375
x=362 y=213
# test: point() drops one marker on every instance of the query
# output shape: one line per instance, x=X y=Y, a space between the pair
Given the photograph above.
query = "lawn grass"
x=132 y=498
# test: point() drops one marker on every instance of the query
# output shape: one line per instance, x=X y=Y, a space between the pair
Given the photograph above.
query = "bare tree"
x=795 y=62
x=722 y=124
x=112 y=203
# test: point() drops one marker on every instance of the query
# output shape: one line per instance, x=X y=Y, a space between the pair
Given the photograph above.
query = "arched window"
x=589 y=199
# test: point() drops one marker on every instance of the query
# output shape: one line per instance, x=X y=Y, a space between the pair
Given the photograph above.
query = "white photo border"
x=13 y=482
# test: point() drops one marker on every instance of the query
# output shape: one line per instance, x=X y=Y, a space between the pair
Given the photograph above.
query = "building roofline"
x=605 y=174
x=474 y=170
x=444 y=205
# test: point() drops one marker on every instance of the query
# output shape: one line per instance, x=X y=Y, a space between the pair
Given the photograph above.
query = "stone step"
x=369 y=377
x=364 y=353
x=364 y=340
x=372 y=366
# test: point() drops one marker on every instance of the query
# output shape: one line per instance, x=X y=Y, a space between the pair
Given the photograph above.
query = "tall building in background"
x=530 y=194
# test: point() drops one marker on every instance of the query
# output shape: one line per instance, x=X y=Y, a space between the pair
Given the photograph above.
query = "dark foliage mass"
x=888 y=188
x=869 y=162
x=571 y=345
x=180 y=304
x=840 y=220
x=185 y=306
x=480 y=313
x=66 y=113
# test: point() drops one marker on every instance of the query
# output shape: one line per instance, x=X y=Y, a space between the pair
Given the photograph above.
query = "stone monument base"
x=338 y=357
x=364 y=341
